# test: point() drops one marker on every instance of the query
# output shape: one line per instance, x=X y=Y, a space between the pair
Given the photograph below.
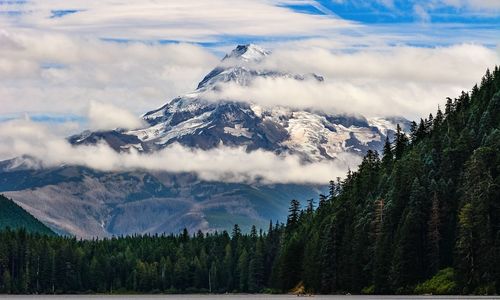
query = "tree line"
x=216 y=262
x=423 y=217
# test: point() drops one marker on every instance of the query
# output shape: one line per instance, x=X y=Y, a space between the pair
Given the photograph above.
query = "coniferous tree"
x=413 y=130
x=332 y=189
x=310 y=206
x=243 y=271
x=227 y=270
x=475 y=244
x=434 y=236
x=256 y=269
x=439 y=118
x=409 y=262
x=312 y=264
x=291 y=268
x=400 y=142
x=328 y=258
x=293 y=214
x=387 y=154
x=322 y=200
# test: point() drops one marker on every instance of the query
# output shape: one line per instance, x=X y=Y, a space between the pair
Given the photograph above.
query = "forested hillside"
x=13 y=216
x=424 y=217
x=431 y=202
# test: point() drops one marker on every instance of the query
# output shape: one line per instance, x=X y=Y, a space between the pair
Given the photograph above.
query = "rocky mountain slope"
x=87 y=203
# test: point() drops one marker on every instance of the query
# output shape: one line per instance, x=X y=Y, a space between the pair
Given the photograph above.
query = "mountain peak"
x=248 y=52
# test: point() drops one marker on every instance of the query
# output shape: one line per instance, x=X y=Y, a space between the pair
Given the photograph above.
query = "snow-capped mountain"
x=194 y=121
x=87 y=203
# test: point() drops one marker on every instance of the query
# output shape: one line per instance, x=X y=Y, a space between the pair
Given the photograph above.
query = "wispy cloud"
x=376 y=79
x=219 y=164
x=175 y=20
x=403 y=81
x=56 y=73
x=421 y=13
x=470 y=4
x=105 y=116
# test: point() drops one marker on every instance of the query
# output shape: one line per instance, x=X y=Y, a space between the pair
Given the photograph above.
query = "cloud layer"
x=400 y=81
x=221 y=164
x=103 y=116
x=471 y=4
x=60 y=74
x=174 y=20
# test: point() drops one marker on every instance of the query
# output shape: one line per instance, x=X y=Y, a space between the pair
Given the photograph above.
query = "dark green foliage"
x=401 y=142
x=388 y=156
x=33 y=263
x=477 y=222
x=293 y=216
x=431 y=203
x=13 y=216
x=443 y=283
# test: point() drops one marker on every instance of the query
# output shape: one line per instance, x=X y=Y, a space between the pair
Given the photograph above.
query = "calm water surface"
x=238 y=297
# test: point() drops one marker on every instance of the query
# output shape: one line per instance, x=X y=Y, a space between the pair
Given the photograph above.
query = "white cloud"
x=380 y=80
x=460 y=64
x=103 y=116
x=174 y=19
x=403 y=81
x=421 y=13
x=473 y=4
x=221 y=164
x=55 y=73
x=387 y=3
x=476 y=8
x=367 y=98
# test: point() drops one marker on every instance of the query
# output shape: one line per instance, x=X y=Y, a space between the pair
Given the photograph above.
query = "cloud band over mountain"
x=18 y=138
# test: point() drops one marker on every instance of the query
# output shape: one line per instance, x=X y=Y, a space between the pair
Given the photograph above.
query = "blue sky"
x=376 y=12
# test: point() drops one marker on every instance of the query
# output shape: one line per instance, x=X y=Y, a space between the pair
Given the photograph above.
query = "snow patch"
x=238 y=131
x=383 y=125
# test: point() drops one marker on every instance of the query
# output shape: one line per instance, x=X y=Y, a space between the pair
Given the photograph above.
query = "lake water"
x=237 y=297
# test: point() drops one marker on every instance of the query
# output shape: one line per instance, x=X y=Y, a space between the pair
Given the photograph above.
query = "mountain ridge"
x=194 y=121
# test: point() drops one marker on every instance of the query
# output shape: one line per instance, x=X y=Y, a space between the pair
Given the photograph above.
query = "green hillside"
x=424 y=217
x=13 y=216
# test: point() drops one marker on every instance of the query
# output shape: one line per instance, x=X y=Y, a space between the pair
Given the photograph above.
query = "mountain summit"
x=194 y=121
x=249 y=52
